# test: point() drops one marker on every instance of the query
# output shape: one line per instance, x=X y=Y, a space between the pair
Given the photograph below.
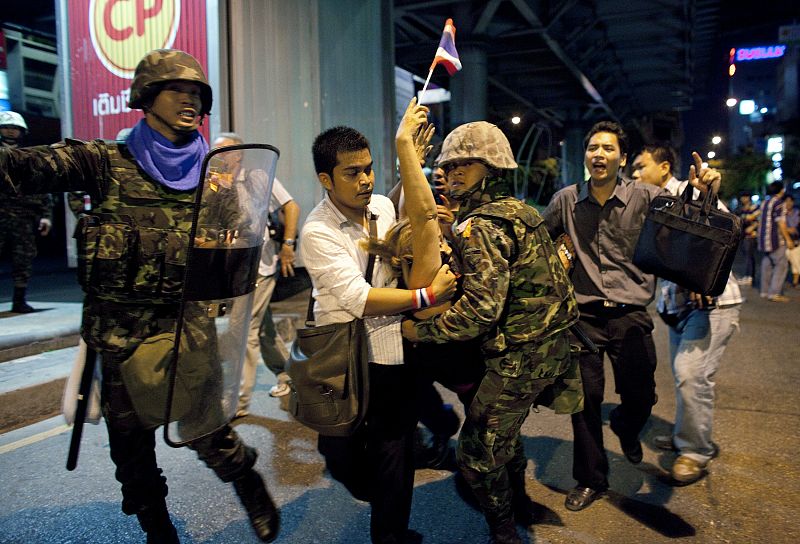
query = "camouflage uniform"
x=131 y=262
x=19 y=223
x=132 y=256
x=519 y=300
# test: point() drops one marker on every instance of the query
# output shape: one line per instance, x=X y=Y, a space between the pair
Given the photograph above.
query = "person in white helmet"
x=21 y=217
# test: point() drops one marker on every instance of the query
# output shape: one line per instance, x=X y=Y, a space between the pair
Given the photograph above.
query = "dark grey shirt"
x=605 y=238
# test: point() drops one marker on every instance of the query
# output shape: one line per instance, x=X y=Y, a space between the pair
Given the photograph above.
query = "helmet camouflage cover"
x=162 y=65
x=12 y=119
x=479 y=140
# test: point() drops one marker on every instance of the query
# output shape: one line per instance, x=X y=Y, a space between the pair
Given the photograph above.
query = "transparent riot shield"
x=227 y=233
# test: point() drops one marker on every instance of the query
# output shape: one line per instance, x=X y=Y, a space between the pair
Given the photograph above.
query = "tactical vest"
x=132 y=246
x=540 y=300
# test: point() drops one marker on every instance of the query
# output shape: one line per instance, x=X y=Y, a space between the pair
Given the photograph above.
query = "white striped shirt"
x=337 y=265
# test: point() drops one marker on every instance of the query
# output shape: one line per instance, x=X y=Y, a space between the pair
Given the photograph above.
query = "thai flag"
x=446 y=54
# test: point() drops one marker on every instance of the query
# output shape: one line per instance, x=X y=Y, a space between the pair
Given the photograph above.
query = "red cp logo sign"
x=123 y=31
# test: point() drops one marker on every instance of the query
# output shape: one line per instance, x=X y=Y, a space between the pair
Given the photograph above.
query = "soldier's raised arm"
x=70 y=165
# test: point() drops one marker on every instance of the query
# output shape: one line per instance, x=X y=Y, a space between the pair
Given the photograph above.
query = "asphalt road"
x=750 y=496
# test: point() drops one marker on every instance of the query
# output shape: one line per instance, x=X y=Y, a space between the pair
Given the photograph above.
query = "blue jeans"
x=774 y=266
x=696 y=347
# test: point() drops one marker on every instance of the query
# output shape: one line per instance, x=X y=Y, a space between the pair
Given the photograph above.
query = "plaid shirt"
x=769 y=236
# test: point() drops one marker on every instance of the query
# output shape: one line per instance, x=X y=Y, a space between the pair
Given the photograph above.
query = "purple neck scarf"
x=176 y=167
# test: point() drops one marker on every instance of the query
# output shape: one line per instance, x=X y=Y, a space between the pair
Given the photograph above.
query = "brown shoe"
x=686 y=470
x=779 y=298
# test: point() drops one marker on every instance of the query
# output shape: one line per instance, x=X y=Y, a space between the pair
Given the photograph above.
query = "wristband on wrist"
x=422 y=298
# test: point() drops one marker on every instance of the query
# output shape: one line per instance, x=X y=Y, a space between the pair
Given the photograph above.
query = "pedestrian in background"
x=773 y=242
x=21 y=218
x=748 y=273
x=244 y=182
x=143 y=188
x=792 y=225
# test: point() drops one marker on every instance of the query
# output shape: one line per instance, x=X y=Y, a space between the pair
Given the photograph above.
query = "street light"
x=516 y=120
x=711 y=154
x=716 y=140
x=731 y=102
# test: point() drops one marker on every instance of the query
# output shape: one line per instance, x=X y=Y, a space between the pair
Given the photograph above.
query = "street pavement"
x=750 y=496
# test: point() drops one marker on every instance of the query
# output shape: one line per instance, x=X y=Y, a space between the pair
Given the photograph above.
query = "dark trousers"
x=625 y=335
x=133 y=448
x=18 y=233
x=458 y=366
x=376 y=463
x=750 y=251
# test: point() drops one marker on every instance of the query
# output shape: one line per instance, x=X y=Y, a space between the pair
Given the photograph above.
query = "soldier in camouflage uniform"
x=21 y=216
x=519 y=301
x=132 y=257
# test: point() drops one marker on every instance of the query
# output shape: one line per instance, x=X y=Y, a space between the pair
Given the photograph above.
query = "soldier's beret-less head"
x=161 y=66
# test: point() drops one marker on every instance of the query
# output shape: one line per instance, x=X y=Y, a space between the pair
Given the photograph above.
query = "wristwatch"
x=290 y=242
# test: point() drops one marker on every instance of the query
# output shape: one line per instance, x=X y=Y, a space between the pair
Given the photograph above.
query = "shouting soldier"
x=133 y=256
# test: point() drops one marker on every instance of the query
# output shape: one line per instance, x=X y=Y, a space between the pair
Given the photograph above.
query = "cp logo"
x=123 y=31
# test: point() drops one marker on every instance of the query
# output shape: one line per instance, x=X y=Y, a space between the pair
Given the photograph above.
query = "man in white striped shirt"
x=376 y=463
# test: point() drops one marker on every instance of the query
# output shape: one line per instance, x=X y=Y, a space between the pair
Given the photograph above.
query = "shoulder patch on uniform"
x=464 y=228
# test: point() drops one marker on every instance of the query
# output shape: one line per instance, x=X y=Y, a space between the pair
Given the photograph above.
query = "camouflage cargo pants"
x=18 y=234
x=490 y=451
x=133 y=448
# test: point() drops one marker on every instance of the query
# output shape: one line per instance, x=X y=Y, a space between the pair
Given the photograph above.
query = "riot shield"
x=230 y=217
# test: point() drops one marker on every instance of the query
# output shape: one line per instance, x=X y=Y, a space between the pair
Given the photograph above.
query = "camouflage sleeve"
x=70 y=165
x=46 y=210
x=485 y=253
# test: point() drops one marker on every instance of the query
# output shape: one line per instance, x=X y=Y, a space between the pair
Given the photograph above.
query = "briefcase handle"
x=709 y=199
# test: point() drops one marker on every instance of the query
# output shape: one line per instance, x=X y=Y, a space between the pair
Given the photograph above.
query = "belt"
x=611 y=304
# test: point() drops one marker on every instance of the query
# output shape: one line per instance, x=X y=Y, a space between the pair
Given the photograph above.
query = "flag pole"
x=425 y=87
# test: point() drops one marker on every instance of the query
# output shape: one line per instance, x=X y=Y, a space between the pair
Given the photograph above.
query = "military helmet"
x=12 y=119
x=479 y=140
x=162 y=65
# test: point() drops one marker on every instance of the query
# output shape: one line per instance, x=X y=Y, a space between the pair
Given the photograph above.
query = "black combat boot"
x=264 y=517
x=504 y=532
x=19 y=306
x=154 y=520
x=524 y=508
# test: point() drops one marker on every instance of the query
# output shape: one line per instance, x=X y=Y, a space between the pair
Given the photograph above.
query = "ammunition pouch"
x=117 y=257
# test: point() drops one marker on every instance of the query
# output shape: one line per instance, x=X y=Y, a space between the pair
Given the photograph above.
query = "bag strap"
x=373 y=235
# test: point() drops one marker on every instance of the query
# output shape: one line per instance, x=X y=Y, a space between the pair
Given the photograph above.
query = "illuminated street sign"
x=760 y=53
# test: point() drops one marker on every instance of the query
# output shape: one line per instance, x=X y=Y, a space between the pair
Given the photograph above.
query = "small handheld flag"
x=446 y=54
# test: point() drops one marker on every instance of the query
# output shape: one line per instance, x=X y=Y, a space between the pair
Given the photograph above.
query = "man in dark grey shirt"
x=603 y=216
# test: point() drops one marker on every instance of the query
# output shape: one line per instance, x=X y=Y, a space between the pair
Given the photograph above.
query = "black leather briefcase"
x=689 y=242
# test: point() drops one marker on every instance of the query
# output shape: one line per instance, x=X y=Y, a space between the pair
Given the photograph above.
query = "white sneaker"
x=279 y=390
